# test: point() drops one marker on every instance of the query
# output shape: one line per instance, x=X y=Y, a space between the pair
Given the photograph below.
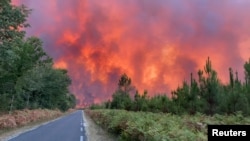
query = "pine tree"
x=121 y=97
x=209 y=87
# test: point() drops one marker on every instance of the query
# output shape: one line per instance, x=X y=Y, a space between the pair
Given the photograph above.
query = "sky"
x=157 y=43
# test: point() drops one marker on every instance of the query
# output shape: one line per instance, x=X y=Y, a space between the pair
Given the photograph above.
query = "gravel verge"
x=95 y=132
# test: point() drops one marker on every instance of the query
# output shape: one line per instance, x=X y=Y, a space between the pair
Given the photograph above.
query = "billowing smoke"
x=158 y=43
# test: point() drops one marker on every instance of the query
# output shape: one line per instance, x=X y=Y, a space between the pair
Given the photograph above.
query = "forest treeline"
x=27 y=76
x=206 y=95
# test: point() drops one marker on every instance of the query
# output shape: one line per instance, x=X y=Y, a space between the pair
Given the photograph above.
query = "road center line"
x=81 y=129
x=81 y=138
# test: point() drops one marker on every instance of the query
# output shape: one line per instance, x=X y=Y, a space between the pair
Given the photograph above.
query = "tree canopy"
x=27 y=76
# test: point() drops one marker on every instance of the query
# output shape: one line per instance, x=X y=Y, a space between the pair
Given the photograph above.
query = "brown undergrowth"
x=23 y=117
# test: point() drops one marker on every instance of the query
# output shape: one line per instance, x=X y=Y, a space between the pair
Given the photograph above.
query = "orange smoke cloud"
x=157 y=43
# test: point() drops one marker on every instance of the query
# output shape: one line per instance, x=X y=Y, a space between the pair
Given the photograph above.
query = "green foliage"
x=186 y=99
x=124 y=84
x=121 y=100
x=159 y=103
x=247 y=73
x=195 y=102
x=97 y=106
x=27 y=76
x=140 y=102
x=210 y=88
x=233 y=98
x=12 y=19
x=147 y=126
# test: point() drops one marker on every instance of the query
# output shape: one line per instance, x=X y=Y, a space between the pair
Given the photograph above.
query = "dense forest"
x=206 y=95
x=27 y=77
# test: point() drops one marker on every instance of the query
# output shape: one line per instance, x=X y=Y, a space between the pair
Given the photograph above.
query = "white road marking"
x=81 y=129
x=81 y=138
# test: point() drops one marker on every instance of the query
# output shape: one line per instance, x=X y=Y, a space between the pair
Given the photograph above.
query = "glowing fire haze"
x=158 y=43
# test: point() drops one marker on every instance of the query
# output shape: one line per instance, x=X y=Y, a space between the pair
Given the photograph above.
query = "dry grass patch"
x=23 y=117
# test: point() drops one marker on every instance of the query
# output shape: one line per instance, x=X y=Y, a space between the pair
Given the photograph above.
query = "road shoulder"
x=95 y=132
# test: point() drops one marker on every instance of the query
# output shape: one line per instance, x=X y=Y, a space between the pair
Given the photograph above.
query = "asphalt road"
x=68 y=128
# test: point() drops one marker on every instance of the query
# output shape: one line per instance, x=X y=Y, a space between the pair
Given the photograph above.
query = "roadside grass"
x=147 y=126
